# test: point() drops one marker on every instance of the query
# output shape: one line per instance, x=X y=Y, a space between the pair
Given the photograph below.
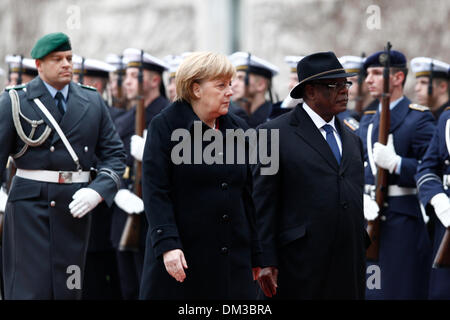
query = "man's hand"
x=267 y=279
x=441 y=205
x=129 y=202
x=84 y=200
x=385 y=156
x=3 y=199
x=137 y=145
x=175 y=264
x=371 y=208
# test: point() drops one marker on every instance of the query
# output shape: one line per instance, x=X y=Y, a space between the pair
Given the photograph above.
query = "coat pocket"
x=24 y=190
x=291 y=234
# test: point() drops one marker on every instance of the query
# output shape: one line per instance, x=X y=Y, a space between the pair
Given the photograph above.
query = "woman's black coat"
x=204 y=209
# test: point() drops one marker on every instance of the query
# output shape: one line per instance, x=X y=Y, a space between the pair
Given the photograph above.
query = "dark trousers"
x=130 y=271
x=101 y=278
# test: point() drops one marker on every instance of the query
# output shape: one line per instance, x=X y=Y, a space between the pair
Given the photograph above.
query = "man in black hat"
x=47 y=216
x=310 y=213
x=405 y=248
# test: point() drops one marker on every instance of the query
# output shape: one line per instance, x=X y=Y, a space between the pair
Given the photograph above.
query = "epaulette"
x=352 y=123
x=87 y=87
x=370 y=112
x=448 y=108
x=418 y=107
x=16 y=87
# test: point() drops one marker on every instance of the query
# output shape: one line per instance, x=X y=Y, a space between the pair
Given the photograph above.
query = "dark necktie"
x=59 y=96
x=332 y=142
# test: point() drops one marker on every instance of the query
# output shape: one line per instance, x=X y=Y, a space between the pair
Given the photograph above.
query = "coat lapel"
x=397 y=114
x=37 y=89
x=346 y=144
x=76 y=109
x=306 y=129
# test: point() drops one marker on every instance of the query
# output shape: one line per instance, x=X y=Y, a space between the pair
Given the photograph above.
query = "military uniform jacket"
x=310 y=213
x=125 y=123
x=404 y=244
x=41 y=238
x=431 y=173
x=204 y=209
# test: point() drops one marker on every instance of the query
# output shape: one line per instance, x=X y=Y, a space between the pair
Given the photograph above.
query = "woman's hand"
x=175 y=264
x=267 y=279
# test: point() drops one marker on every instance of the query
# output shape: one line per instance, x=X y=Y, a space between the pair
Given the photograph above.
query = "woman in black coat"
x=202 y=242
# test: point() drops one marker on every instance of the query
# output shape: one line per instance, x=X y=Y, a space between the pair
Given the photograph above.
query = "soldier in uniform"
x=126 y=202
x=101 y=275
x=404 y=252
x=20 y=70
x=47 y=218
x=434 y=95
x=433 y=180
x=173 y=62
x=288 y=103
x=253 y=80
x=351 y=117
x=116 y=96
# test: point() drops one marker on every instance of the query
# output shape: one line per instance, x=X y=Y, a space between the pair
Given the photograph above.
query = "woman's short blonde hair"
x=200 y=66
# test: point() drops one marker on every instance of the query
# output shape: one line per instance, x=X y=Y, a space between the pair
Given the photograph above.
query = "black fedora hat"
x=321 y=65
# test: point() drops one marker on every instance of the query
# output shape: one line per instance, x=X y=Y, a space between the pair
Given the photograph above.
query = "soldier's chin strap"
x=16 y=114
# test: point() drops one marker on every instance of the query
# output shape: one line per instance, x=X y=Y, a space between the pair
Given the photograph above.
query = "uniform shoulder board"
x=448 y=108
x=352 y=123
x=17 y=87
x=87 y=87
x=418 y=107
x=370 y=112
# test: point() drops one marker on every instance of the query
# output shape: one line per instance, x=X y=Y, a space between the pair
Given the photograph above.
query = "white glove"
x=129 y=202
x=385 y=156
x=84 y=200
x=441 y=205
x=3 y=199
x=137 y=146
x=371 y=208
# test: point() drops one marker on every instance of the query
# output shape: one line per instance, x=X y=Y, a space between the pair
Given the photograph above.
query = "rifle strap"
x=59 y=131
x=373 y=167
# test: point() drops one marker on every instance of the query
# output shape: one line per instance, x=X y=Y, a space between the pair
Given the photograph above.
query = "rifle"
x=244 y=101
x=131 y=233
x=430 y=87
x=373 y=227
x=442 y=259
x=120 y=99
x=359 y=98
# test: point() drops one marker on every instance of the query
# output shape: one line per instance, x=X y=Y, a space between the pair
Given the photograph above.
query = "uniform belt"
x=54 y=176
x=393 y=190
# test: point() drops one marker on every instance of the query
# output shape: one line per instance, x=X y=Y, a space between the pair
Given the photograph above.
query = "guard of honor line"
x=72 y=152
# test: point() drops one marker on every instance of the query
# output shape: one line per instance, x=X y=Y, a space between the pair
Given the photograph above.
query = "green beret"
x=49 y=43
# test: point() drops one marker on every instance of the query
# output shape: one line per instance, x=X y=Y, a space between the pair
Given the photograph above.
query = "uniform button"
x=447 y=162
x=224 y=250
x=159 y=231
x=86 y=148
x=52 y=148
x=52 y=203
x=383 y=218
x=365 y=164
x=224 y=186
x=225 y=217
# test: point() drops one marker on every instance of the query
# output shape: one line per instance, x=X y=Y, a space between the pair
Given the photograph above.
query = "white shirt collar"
x=393 y=104
x=53 y=91
x=318 y=120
